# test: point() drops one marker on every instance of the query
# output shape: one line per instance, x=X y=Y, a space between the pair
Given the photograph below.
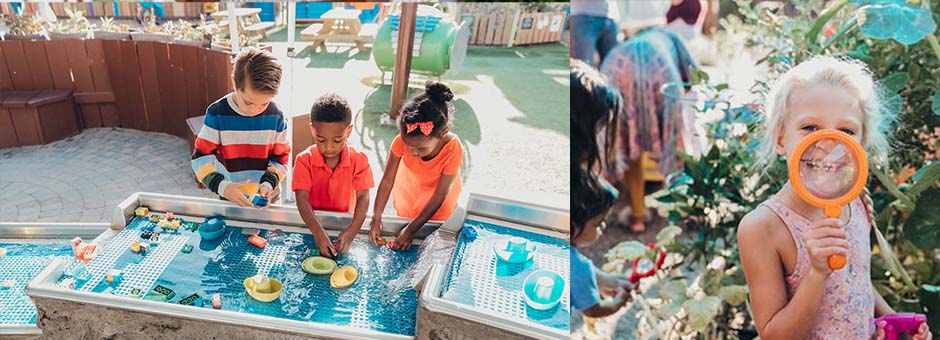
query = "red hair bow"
x=426 y=127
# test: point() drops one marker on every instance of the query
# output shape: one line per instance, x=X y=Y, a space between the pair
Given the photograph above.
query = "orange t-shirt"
x=416 y=179
x=332 y=190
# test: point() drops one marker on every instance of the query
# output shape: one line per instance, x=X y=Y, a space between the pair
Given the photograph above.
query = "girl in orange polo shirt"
x=423 y=169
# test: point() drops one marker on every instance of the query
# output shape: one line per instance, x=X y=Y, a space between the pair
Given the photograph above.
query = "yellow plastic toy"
x=344 y=277
x=263 y=288
x=836 y=168
x=318 y=265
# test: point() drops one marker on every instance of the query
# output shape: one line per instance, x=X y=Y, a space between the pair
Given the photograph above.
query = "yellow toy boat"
x=344 y=277
x=263 y=288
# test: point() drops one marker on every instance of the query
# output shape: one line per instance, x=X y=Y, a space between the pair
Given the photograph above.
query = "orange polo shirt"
x=416 y=179
x=332 y=190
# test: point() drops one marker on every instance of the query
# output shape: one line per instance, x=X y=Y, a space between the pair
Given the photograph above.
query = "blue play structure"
x=314 y=10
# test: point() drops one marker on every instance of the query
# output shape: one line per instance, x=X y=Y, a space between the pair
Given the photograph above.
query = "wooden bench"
x=37 y=117
x=260 y=27
x=367 y=35
x=315 y=33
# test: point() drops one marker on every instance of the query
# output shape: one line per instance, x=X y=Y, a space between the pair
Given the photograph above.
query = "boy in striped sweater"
x=242 y=148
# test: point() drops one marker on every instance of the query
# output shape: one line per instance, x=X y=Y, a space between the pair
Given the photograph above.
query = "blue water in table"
x=220 y=266
x=478 y=278
x=21 y=263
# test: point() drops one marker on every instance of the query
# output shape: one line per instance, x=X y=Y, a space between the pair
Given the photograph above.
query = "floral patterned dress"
x=649 y=121
x=849 y=302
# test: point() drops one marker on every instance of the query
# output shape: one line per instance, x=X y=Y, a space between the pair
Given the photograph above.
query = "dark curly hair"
x=595 y=105
x=590 y=197
x=330 y=108
x=431 y=106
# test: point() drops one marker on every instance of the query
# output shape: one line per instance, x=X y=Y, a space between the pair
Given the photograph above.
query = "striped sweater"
x=234 y=147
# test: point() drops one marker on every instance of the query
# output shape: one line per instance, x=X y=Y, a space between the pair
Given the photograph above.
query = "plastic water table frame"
x=542 y=219
x=285 y=217
x=24 y=232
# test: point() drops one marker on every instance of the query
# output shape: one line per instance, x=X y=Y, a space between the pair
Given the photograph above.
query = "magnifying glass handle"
x=835 y=262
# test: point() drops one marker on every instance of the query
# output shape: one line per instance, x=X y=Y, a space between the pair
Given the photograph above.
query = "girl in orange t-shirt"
x=423 y=169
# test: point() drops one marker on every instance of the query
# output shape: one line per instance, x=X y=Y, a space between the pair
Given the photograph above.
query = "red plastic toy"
x=636 y=276
x=257 y=241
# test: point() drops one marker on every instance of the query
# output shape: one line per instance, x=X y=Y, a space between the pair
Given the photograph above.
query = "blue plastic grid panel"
x=220 y=267
x=15 y=307
x=140 y=270
x=477 y=278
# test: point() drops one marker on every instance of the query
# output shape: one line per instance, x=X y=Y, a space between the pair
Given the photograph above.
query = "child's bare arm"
x=776 y=318
x=881 y=306
x=381 y=196
x=310 y=219
x=434 y=203
x=606 y=308
x=359 y=214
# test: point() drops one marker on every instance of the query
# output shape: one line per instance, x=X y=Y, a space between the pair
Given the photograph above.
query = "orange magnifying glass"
x=828 y=169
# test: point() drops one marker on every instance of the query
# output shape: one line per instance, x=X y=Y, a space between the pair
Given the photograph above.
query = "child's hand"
x=265 y=190
x=826 y=237
x=622 y=297
x=923 y=333
x=234 y=194
x=403 y=241
x=608 y=284
x=323 y=244
x=344 y=240
x=375 y=232
x=880 y=330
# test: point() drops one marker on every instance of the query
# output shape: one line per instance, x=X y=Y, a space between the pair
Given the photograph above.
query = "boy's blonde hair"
x=845 y=73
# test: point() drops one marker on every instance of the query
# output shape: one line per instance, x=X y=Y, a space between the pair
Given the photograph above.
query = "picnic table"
x=339 y=24
x=247 y=19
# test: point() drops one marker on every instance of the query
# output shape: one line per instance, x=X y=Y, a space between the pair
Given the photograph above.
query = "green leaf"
x=698 y=76
x=670 y=309
x=895 y=82
x=824 y=17
x=711 y=281
x=627 y=251
x=926 y=177
x=667 y=235
x=722 y=86
x=923 y=226
x=891 y=186
x=733 y=295
x=841 y=33
x=702 y=312
x=935 y=106
x=673 y=290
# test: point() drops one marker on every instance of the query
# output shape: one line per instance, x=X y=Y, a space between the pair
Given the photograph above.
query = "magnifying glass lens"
x=828 y=169
x=644 y=265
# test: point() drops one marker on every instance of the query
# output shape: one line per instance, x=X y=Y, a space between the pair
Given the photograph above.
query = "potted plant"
x=109 y=30
x=152 y=32
x=76 y=26
x=23 y=27
x=244 y=41
x=183 y=33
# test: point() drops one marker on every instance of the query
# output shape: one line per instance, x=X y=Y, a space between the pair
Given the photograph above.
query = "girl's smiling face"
x=818 y=107
x=826 y=167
